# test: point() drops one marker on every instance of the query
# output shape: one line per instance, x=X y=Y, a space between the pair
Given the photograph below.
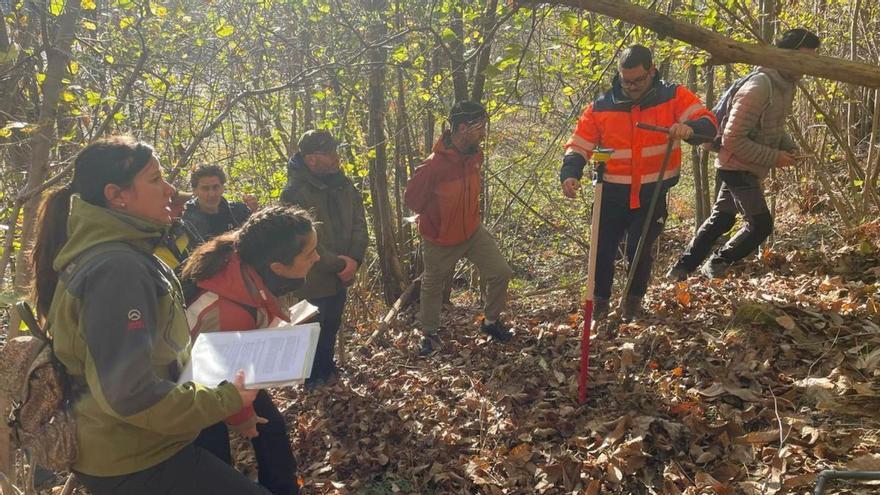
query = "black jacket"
x=233 y=215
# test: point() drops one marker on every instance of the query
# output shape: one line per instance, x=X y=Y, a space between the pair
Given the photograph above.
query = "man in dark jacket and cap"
x=316 y=183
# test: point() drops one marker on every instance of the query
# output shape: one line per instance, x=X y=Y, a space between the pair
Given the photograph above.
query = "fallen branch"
x=402 y=302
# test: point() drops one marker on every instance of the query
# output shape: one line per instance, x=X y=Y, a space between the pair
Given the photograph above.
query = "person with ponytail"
x=116 y=316
x=238 y=277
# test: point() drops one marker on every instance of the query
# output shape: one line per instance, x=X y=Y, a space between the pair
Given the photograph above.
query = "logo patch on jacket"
x=135 y=319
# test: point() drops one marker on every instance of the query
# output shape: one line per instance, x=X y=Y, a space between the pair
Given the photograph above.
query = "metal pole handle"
x=665 y=130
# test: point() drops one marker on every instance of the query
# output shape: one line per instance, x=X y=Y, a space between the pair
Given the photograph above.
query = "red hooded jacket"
x=445 y=192
x=234 y=299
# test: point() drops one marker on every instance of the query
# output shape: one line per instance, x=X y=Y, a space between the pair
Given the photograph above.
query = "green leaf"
x=400 y=54
x=88 y=5
x=56 y=7
x=159 y=10
x=41 y=77
x=448 y=35
x=570 y=20
x=93 y=97
x=223 y=29
x=5 y=133
x=109 y=58
x=125 y=22
x=67 y=96
x=89 y=25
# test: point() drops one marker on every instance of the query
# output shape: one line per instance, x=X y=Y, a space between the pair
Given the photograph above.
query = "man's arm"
x=419 y=190
x=359 y=236
x=689 y=110
x=578 y=150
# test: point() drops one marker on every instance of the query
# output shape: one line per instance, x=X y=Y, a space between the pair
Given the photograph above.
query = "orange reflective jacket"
x=610 y=122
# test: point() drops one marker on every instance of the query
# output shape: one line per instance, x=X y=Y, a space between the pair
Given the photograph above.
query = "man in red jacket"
x=637 y=95
x=445 y=192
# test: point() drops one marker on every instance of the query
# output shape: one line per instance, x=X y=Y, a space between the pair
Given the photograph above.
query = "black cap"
x=317 y=141
x=794 y=39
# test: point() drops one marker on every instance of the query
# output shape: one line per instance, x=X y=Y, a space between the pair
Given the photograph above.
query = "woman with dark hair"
x=120 y=330
x=238 y=276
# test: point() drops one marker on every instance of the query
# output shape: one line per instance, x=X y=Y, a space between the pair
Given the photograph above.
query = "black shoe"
x=426 y=346
x=715 y=268
x=631 y=309
x=497 y=330
x=315 y=383
x=677 y=274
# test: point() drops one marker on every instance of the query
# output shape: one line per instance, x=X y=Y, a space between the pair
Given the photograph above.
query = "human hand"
x=252 y=431
x=350 y=269
x=680 y=131
x=251 y=202
x=570 y=187
x=785 y=159
x=247 y=396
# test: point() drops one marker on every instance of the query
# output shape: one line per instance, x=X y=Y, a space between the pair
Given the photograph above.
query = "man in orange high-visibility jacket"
x=637 y=95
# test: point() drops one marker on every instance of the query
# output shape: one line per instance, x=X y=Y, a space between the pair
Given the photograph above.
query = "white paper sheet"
x=269 y=357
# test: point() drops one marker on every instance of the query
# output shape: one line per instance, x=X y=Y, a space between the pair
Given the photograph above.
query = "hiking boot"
x=601 y=308
x=497 y=330
x=601 y=319
x=677 y=274
x=631 y=309
x=715 y=267
x=426 y=345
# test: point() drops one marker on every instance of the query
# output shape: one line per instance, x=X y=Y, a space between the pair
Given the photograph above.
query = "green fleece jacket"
x=121 y=332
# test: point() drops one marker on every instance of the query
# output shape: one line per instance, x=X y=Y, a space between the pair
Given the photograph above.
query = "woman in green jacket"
x=120 y=330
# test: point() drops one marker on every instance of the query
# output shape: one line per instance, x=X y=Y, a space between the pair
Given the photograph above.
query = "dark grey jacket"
x=342 y=230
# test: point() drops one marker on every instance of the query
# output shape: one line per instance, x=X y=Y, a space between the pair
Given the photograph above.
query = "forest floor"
x=748 y=384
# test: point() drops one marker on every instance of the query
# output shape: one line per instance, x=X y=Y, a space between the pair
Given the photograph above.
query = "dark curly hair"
x=273 y=234
x=206 y=171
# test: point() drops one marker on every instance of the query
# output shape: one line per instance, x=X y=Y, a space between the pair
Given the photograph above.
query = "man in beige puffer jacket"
x=753 y=141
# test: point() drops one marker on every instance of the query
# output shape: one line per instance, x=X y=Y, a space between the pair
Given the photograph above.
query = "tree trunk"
x=699 y=206
x=57 y=59
x=485 y=52
x=707 y=198
x=392 y=271
x=725 y=50
x=456 y=51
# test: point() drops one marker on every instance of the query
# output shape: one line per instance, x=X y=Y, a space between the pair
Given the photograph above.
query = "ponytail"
x=113 y=160
x=209 y=258
x=52 y=219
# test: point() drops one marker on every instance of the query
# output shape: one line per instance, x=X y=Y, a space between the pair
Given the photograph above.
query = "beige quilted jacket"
x=754 y=133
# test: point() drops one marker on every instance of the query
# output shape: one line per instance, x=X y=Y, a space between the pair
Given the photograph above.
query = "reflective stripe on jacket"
x=610 y=122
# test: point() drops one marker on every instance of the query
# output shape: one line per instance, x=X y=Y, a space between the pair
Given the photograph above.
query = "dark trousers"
x=330 y=318
x=618 y=220
x=739 y=193
x=276 y=466
x=192 y=471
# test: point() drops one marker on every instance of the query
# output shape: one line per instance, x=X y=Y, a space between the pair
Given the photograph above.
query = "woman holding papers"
x=121 y=333
x=239 y=275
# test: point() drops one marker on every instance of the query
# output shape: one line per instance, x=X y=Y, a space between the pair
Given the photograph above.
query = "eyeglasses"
x=635 y=82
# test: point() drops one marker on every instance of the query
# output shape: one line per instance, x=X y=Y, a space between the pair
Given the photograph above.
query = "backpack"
x=725 y=103
x=35 y=388
x=36 y=392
